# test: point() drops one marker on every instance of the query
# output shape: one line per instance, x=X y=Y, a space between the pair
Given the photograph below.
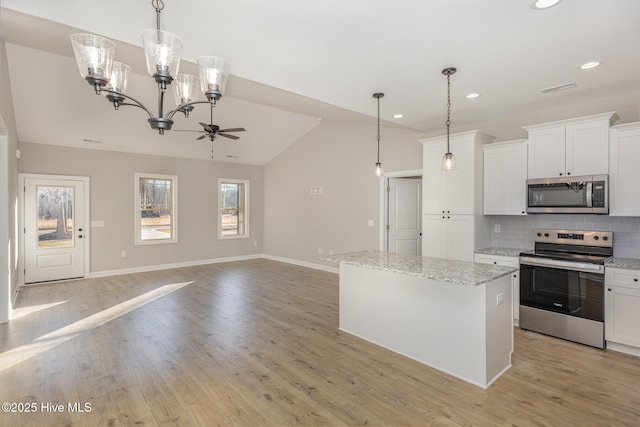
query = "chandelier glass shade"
x=94 y=55
x=95 y=58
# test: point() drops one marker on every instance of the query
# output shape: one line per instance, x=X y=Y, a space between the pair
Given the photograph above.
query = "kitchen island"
x=454 y=316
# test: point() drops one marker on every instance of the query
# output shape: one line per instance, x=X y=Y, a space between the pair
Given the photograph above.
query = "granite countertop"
x=442 y=270
x=512 y=252
x=628 y=263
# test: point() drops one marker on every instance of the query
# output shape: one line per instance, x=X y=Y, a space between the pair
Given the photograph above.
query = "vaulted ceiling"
x=295 y=63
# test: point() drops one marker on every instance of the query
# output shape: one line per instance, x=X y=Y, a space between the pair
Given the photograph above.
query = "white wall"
x=112 y=201
x=8 y=192
x=340 y=157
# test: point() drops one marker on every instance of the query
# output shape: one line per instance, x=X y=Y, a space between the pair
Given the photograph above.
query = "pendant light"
x=448 y=161
x=379 y=170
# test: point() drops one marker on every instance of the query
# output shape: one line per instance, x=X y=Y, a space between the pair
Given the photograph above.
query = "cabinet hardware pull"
x=635 y=279
x=609 y=289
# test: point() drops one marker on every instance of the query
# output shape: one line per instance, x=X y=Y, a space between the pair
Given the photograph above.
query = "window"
x=233 y=205
x=156 y=209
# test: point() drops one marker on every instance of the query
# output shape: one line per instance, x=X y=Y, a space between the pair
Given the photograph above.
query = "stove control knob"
x=546 y=234
x=539 y=234
x=596 y=237
x=605 y=238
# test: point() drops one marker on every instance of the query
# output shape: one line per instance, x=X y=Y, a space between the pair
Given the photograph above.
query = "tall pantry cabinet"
x=452 y=221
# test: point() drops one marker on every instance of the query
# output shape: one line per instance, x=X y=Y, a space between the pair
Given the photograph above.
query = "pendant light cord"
x=448 y=122
x=378 y=129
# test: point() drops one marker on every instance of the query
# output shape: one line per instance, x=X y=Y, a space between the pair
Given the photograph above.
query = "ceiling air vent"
x=559 y=87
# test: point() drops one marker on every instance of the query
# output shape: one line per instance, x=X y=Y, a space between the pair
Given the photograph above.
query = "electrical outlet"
x=255 y=243
x=370 y=223
x=496 y=228
x=330 y=251
x=320 y=251
x=123 y=254
x=499 y=299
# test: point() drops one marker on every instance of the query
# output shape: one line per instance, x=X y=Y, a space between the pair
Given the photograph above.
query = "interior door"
x=54 y=229
x=404 y=215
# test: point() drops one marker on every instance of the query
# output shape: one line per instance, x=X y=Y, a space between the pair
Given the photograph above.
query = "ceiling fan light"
x=94 y=55
x=162 y=50
x=214 y=73
x=186 y=88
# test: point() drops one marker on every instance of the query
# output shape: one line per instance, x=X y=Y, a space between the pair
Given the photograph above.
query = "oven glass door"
x=558 y=195
x=569 y=292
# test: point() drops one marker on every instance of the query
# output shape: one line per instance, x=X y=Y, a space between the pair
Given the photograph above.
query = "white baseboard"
x=146 y=268
x=302 y=263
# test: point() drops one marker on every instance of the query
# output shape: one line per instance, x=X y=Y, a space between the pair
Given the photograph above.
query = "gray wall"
x=340 y=157
x=8 y=191
x=112 y=201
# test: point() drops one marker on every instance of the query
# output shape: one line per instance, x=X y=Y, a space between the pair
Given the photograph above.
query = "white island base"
x=463 y=330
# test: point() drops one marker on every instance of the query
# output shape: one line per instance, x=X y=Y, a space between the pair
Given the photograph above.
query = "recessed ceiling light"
x=591 y=64
x=544 y=4
x=398 y=116
x=472 y=95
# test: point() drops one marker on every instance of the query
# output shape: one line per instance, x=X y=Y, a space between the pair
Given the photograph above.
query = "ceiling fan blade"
x=201 y=137
x=186 y=130
x=206 y=127
x=232 y=130
x=228 y=136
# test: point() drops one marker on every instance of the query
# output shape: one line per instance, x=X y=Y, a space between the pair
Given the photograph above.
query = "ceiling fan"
x=210 y=130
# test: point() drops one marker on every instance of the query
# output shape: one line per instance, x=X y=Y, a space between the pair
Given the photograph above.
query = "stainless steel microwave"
x=576 y=194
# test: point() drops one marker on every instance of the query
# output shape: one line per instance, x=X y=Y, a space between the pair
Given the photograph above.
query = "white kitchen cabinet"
x=506 y=261
x=453 y=224
x=622 y=310
x=505 y=176
x=624 y=173
x=448 y=236
x=572 y=147
x=453 y=192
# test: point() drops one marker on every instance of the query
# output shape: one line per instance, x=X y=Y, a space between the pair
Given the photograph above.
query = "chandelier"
x=94 y=55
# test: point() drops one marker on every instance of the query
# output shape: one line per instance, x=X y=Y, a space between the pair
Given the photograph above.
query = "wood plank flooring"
x=256 y=343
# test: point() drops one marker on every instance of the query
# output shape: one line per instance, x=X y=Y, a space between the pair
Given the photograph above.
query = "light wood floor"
x=257 y=343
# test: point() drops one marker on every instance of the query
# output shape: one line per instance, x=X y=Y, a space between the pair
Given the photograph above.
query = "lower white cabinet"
x=506 y=261
x=448 y=236
x=622 y=310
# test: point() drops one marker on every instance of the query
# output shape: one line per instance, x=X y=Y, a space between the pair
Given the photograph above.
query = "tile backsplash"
x=517 y=231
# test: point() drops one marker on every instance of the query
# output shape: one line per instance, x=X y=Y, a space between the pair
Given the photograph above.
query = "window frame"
x=245 y=182
x=174 y=209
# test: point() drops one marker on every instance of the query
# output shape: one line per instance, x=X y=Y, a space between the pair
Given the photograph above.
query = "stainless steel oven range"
x=562 y=284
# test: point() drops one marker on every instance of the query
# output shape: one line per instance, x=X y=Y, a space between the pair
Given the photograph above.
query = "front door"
x=404 y=214
x=54 y=228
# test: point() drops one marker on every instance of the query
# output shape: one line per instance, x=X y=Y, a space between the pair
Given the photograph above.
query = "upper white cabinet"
x=505 y=176
x=458 y=191
x=570 y=147
x=624 y=197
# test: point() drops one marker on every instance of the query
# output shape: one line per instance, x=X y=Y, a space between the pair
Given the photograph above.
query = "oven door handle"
x=563 y=265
